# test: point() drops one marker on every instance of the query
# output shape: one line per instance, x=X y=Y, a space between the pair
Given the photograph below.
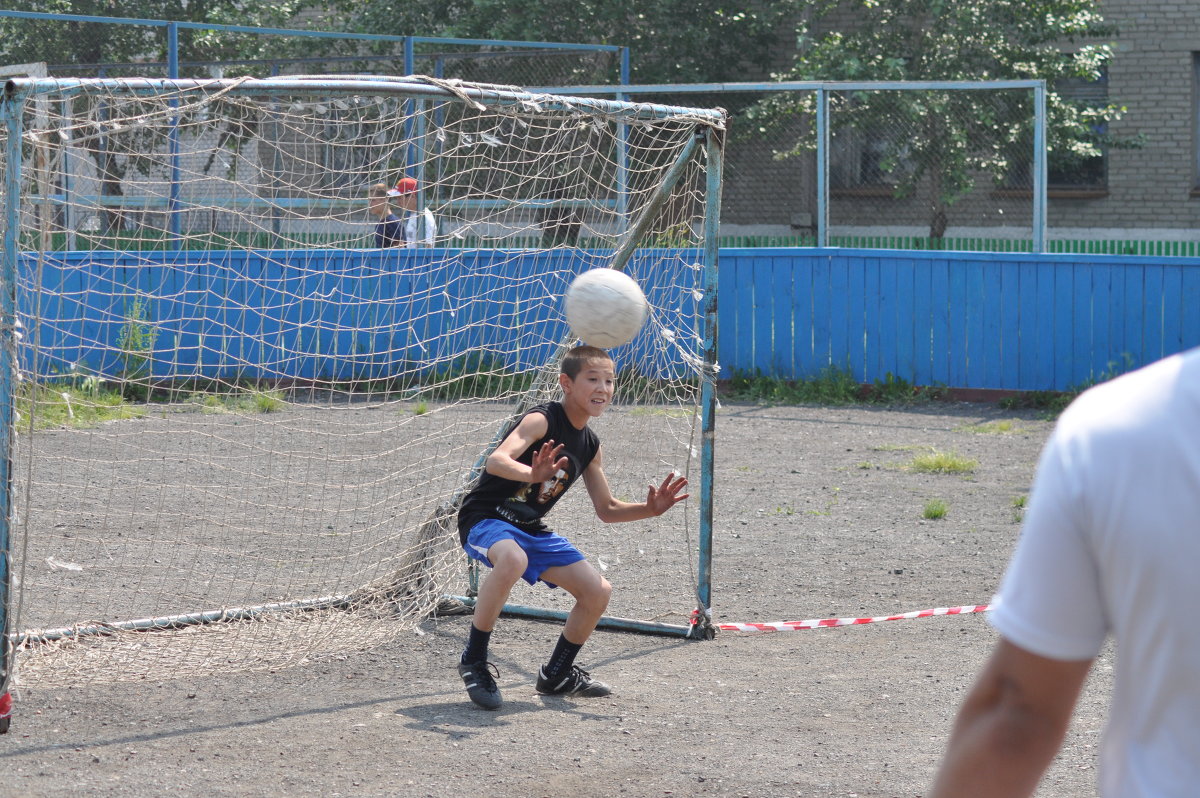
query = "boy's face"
x=378 y=206
x=592 y=389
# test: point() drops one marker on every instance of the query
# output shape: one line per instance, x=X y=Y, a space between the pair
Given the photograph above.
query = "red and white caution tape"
x=793 y=626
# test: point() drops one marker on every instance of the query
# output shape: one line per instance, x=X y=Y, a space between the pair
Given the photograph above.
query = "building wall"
x=1153 y=74
x=1153 y=192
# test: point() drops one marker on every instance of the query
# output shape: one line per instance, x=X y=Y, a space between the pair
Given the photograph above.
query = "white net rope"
x=243 y=427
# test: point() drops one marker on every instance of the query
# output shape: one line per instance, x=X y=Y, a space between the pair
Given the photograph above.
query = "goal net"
x=244 y=410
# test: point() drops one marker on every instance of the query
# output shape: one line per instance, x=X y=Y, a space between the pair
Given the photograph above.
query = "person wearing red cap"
x=406 y=194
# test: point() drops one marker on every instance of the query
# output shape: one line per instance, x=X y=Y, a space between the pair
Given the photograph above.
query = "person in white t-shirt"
x=1110 y=545
x=420 y=227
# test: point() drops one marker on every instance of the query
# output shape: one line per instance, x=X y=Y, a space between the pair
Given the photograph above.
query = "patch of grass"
x=893 y=390
x=865 y=465
x=664 y=412
x=56 y=407
x=934 y=509
x=1051 y=403
x=831 y=386
x=942 y=463
x=421 y=409
x=250 y=402
x=1018 y=508
x=1002 y=427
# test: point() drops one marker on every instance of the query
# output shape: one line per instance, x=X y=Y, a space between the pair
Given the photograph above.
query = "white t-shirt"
x=1111 y=544
x=413 y=223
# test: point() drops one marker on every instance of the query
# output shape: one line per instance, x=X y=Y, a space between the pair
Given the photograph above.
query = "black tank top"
x=523 y=504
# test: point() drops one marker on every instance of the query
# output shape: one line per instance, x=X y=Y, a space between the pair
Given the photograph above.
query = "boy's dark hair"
x=378 y=191
x=574 y=361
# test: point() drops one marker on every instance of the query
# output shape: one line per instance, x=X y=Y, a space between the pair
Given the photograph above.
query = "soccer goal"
x=239 y=418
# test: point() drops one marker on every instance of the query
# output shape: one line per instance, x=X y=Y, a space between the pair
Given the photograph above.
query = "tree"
x=65 y=43
x=670 y=41
x=952 y=137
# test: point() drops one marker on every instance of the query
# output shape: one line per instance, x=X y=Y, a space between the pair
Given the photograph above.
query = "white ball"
x=605 y=308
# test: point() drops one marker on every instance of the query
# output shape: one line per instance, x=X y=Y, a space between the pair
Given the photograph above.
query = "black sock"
x=563 y=657
x=477 y=646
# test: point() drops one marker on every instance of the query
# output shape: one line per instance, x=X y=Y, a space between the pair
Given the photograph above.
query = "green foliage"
x=61 y=43
x=670 y=42
x=934 y=509
x=948 y=137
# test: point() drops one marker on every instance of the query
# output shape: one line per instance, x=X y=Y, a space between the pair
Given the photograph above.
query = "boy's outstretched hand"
x=665 y=496
x=547 y=461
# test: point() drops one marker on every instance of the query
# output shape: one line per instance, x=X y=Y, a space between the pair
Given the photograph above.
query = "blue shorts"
x=544 y=551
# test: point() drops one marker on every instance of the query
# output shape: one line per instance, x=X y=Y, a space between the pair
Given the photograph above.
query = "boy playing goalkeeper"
x=500 y=524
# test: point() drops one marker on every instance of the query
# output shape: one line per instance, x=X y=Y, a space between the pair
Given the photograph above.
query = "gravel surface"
x=819 y=513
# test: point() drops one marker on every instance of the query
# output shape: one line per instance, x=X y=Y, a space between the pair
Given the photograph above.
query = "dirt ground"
x=818 y=515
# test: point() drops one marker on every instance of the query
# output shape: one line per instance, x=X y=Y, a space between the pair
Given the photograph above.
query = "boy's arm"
x=659 y=498
x=547 y=460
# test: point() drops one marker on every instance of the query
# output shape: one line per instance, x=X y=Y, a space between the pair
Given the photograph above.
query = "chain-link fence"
x=908 y=166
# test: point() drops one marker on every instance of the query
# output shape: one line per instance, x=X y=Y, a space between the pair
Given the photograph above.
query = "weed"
x=421 y=409
x=135 y=341
x=942 y=463
x=934 y=509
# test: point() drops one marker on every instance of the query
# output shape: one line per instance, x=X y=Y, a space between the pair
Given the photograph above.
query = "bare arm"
x=609 y=509
x=1010 y=726
x=547 y=460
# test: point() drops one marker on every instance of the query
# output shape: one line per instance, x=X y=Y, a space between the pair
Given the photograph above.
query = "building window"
x=1067 y=173
x=1196 y=124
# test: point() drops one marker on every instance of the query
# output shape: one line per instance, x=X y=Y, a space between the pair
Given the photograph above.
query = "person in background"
x=420 y=227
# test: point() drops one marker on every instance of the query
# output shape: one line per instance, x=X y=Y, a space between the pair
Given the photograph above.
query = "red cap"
x=406 y=185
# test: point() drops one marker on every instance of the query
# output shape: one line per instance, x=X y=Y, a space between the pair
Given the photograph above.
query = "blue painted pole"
x=10 y=113
x=173 y=218
x=606 y=622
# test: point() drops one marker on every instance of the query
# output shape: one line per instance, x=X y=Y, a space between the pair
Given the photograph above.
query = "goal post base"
x=608 y=622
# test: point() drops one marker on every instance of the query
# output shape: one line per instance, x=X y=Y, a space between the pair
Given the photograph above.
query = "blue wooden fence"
x=964 y=320
x=338 y=315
